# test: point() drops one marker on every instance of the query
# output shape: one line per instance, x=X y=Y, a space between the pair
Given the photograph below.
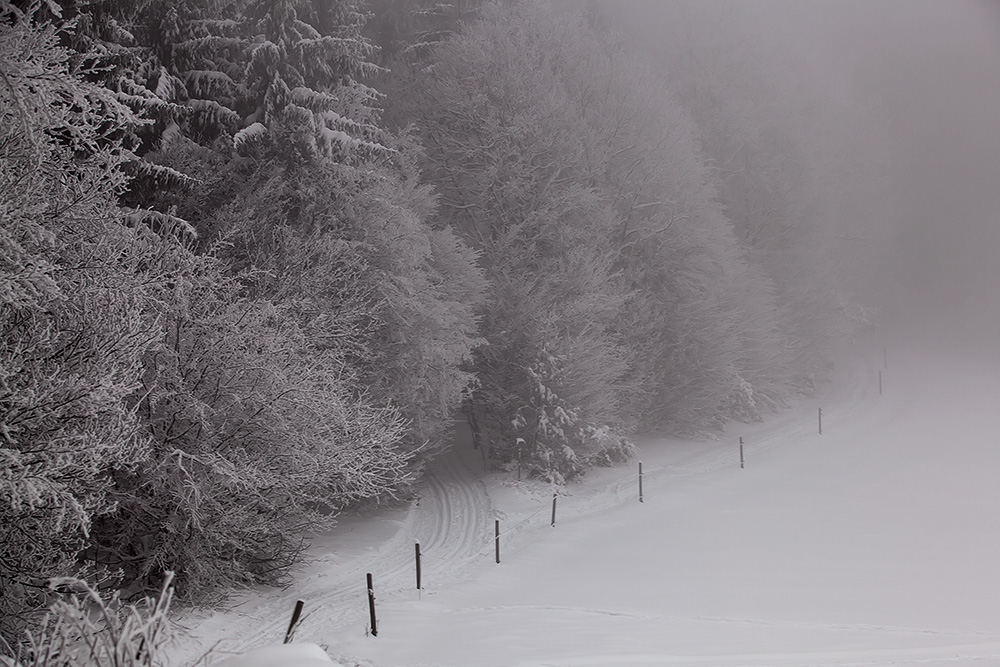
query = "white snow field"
x=875 y=543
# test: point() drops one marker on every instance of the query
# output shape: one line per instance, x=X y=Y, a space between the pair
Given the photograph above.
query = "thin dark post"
x=293 y=625
x=741 y=452
x=553 y=510
x=520 y=443
x=640 y=481
x=821 y=421
x=880 y=383
x=371 y=606
x=416 y=550
x=497 y=533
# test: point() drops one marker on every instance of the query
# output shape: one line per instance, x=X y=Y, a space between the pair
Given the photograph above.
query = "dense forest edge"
x=256 y=256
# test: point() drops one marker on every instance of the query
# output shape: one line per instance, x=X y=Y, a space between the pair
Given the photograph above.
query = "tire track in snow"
x=435 y=495
x=466 y=514
x=452 y=504
x=449 y=518
x=328 y=601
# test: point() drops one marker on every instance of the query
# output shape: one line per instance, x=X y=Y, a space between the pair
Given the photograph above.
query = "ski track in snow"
x=326 y=601
x=460 y=510
x=448 y=520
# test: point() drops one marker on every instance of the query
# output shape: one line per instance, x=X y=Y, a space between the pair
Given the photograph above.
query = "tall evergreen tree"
x=304 y=87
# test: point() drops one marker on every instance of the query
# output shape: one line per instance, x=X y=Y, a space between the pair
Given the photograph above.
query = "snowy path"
x=449 y=518
x=459 y=511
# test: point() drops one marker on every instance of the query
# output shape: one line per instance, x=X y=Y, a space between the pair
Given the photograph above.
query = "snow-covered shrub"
x=741 y=404
x=255 y=436
x=612 y=448
x=78 y=296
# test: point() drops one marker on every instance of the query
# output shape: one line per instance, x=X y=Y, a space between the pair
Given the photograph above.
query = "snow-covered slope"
x=282 y=655
x=872 y=544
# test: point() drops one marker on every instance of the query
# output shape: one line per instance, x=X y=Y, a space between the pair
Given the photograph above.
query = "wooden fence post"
x=640 y=481
x=821 y=421
x=416 y=549
x=553 y=510
x=741 y=452
x=371 y=606
x=496 y=532
x=293 y=625
x=520 y=444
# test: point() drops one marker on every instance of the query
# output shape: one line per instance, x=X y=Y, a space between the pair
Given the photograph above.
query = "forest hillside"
x=256 y=257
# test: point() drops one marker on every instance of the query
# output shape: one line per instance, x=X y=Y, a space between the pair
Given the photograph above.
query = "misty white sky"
x=932 y=67
x=935 y=66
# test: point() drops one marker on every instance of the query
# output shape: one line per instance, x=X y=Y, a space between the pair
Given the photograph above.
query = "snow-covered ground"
x=875 y=543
